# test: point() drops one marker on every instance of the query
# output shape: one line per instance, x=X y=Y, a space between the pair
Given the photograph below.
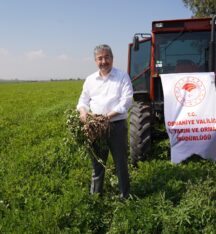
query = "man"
x=108 y=92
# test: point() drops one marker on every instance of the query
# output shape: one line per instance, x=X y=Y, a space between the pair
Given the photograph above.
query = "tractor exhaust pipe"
x=212 y=46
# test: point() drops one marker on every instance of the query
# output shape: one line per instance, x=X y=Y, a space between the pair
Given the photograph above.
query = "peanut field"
x=45 y=178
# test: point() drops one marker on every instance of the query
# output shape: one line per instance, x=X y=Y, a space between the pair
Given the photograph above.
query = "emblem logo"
x=189 y=91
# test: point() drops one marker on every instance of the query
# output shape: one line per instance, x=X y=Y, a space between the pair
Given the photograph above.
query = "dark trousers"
x=117 y=144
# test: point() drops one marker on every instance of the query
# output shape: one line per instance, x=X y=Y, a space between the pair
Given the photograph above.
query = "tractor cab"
x=174 y=46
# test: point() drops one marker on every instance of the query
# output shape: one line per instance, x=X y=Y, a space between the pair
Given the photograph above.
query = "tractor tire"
x=140 y=132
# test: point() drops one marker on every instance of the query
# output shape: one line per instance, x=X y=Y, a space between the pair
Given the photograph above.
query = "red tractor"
x=174 y=46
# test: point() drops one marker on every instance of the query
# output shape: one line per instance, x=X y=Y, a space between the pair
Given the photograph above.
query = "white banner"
x=190 y=114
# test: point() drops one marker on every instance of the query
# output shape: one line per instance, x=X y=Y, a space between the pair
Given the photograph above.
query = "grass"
x=45 y=180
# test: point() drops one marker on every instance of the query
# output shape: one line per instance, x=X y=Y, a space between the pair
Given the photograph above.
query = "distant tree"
x=201 y=8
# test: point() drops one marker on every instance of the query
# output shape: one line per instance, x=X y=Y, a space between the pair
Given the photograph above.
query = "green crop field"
x=45 y=180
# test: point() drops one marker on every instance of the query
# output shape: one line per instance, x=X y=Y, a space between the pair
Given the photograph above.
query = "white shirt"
x=103 y=95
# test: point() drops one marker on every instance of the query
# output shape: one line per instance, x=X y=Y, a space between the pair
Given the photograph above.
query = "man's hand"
x=111 y=114
x=83 y=115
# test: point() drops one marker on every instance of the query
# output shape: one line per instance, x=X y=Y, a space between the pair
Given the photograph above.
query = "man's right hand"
x=83 y=115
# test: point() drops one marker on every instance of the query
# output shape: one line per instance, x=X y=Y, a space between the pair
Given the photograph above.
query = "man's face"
x=104 y=61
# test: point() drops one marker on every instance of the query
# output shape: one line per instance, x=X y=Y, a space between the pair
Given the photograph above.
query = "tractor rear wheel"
x=140 y=131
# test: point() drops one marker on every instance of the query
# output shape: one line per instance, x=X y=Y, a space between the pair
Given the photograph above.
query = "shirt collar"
x=112 y=73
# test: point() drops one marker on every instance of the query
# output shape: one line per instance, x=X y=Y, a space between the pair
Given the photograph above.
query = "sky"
x=55 y=39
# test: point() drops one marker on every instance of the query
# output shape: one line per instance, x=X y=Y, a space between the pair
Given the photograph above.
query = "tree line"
x=201 y=8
